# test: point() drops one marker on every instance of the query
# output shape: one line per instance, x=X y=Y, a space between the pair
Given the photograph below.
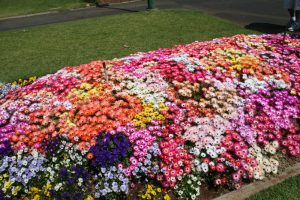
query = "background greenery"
x=45 y=49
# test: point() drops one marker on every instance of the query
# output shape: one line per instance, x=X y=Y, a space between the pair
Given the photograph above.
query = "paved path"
x=261 y=15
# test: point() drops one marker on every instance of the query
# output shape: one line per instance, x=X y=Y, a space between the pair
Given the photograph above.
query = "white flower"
x=56 y=188
x=35 y=154
x=180 y=192
x=204 y=167
x=268 y=169
x=49 y=169
x=24 y=163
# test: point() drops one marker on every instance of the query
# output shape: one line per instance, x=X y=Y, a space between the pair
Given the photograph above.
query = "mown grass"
x=22 y=7
x=288 y=189
x=45 y=49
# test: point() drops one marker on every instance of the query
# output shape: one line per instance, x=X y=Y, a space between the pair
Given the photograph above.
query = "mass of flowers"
x=217 y=112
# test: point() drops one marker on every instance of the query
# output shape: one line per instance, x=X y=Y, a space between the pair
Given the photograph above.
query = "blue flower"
x=109 y=150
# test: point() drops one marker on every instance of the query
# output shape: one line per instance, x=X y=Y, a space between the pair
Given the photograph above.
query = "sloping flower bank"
x=216 y=112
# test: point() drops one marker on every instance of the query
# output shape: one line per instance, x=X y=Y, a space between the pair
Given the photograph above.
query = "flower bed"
x=217 y=112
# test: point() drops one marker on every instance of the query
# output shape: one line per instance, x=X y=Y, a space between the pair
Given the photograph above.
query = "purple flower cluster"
x=112 y=181
x=5 y=148
x=78 y=177
x=51 y=146
x=109 y=149
x=5 y=88
x=23 y=168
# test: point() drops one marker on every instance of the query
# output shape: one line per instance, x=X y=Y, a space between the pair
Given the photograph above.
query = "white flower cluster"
x=207 y=132
x=252 y=84
x=67 y=104
x=190 y=62
x=151 y=88
x=266 y=165
x=223 y=99
x=189 y=187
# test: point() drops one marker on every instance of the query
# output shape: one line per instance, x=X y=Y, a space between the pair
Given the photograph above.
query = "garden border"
x=255 y=187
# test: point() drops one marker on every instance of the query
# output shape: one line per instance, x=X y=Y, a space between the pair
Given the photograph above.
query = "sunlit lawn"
x=45 y=49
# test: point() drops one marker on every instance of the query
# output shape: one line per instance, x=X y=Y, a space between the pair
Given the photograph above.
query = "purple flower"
x=109 y=149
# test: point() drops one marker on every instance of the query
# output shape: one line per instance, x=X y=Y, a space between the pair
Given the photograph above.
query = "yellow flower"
x=48 y=186
x=143 y=196
x=7 y=184
x=153 y=192
x=158 y=189
x=148 y=196
x=149 y=187
x=167 y=197
x=89 y=198
x=16 y=190
x=33 y=78
x=34 y=190
x=36 y=197
x=47 y=193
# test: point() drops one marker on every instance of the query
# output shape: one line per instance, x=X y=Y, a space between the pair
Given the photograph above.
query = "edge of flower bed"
x=255 y=187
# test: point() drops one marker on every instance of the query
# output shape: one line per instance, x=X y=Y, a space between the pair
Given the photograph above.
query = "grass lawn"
x=45 y=49
x=288 y=189
x=21 y=7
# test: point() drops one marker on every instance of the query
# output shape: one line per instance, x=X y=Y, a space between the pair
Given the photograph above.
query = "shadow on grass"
x=106 y=5
x=266 y=28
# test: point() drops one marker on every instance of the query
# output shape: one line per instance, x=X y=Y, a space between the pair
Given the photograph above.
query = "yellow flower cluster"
x=148 y=114
x=36 y=194
x=154 y=193
x=85 y=91
x=245 y=62
x=89 y=198
x=24 y=82
x=7 y=185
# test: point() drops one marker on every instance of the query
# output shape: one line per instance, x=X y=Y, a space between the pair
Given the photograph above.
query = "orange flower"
x=90 y=156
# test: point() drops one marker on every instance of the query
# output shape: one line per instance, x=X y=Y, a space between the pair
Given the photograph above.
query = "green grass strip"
x=288 y=189
x=45 y=49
